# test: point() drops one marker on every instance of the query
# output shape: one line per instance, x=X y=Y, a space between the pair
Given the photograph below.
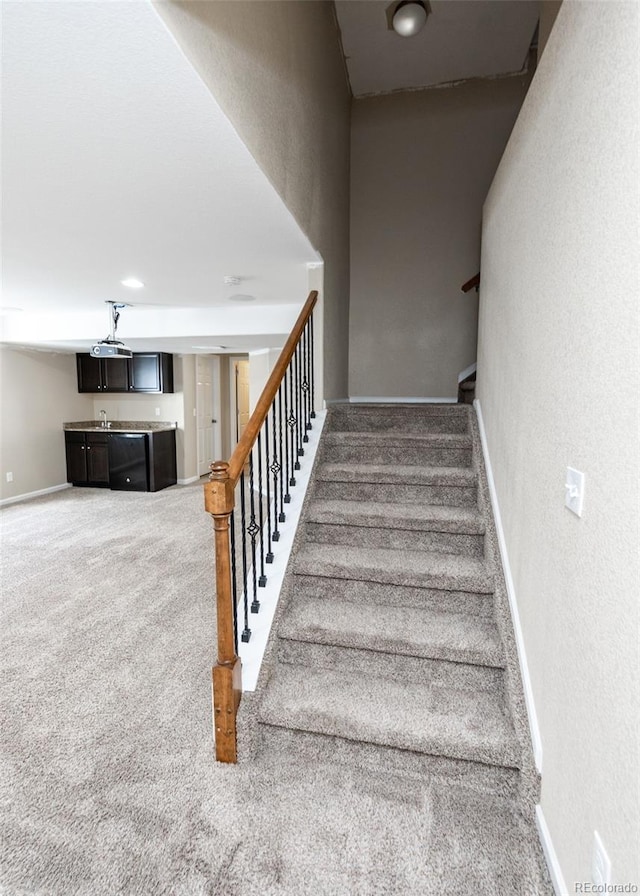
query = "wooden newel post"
x=226 y=674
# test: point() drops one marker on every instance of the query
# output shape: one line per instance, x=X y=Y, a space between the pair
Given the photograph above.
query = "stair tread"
x=395 y=473
x=458 y=724
x=402 y=567
x=395 y=630
x=465 y=520
x=364 y=437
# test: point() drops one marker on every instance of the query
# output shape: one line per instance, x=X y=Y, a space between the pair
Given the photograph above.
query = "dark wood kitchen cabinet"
x=87 y=458
x=143 y=372
x=124 y=461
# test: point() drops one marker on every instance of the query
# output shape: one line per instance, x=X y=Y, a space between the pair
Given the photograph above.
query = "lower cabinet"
x=143 y=462
x=87 y=458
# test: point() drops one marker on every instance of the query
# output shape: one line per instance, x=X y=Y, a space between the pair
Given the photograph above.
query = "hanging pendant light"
x=409 y=18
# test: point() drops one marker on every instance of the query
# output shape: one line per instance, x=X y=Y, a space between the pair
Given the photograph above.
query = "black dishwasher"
x=128 y=461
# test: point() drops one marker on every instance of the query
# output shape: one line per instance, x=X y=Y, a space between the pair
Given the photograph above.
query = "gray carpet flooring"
x=108 y=780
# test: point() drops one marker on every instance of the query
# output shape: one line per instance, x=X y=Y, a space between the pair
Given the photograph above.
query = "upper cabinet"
x=144 y=372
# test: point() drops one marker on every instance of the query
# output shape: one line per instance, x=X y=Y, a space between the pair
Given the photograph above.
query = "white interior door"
x=204 y=412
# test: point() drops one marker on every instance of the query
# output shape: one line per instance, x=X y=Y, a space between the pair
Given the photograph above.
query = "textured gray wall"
x=39 y=394
x=558 y=369
x=422 y=163
x=277 y=71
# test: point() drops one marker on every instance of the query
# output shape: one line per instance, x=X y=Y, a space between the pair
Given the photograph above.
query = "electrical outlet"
x=157 y=412
x=600 y=862
x=574 y=491
x=9 y=477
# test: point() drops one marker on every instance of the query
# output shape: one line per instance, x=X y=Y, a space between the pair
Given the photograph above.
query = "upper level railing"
x=475 y=281
x=262 y=470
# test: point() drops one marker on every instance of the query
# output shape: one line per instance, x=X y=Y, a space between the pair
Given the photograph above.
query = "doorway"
x=208 y=411
x=242 y=405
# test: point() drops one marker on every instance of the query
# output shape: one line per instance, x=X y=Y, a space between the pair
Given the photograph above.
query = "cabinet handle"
x=82 y=446
x=88 y=447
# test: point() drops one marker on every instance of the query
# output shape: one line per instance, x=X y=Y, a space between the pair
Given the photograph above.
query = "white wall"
x=277 y=71
x=39 y=393
x=558 y=374
x=421 y=165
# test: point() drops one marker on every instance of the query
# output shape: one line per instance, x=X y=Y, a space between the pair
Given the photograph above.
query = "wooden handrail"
x=251 y=430
x=475 y=281
x=219 y=500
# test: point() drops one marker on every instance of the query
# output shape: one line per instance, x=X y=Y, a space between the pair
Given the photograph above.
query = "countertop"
x=118 y=426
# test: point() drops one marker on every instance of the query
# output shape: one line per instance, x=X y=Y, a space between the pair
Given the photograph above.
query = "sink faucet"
x=104 y=419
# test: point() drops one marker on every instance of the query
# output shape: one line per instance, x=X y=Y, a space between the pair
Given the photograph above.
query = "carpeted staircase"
x=393 y=645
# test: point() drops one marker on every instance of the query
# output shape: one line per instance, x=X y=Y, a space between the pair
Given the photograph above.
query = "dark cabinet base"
x=144 y=462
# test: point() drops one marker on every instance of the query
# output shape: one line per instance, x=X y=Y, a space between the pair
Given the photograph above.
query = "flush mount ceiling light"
x=409 y=17
x=231 y=281
x=132 y=283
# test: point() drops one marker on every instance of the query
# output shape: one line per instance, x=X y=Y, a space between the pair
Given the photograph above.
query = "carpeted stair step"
x=452 y=530
x=461 y=651
x=399 y=483
x=412 y=716
x=395 y=418
x=449 y=572
x=436 y=449
x=402 y=630
x=367 y=663
x=472 y=603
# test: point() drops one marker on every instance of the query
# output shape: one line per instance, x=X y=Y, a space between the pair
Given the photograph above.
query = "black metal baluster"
x=262 y=581
x=267 y=474
x=276 y=468
x=234 y=584
x=253 y=530
x=312 y=377
x=246 y=633
x=291 y=421
x=305 y=383
x=298 y=379
x=288 y=479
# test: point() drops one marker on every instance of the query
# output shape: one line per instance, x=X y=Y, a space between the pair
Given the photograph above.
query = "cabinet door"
x=90 y=373
x=76 y=457
x=97 y=454
x=115 y=374
x=145 y=372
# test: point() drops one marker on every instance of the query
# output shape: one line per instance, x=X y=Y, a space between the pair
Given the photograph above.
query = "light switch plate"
x=574 y=491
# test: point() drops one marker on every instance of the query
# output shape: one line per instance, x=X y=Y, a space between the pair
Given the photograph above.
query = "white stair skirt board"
x=38 y=494
x=364 y=399
x=472 y=368
x=189 y=480
x=555 y=872
x=522 y=657
x=251 y=653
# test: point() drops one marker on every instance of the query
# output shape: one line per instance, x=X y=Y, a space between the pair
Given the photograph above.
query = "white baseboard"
x=37 y=494
x=188 y=481
x=555 y=871
x=513 y=604
x=467 y=371
x=365 y=399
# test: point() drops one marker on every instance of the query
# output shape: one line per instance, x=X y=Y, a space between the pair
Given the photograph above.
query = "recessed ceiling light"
x=238 y=297
x=7 y=309
x=210 y=348
x=132 y=283
x=231 y=281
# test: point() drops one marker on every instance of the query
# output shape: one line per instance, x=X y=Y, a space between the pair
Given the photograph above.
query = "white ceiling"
x=461 y=39
x=118 y=162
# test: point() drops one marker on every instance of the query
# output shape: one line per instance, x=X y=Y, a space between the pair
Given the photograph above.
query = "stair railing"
x=270 y=446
